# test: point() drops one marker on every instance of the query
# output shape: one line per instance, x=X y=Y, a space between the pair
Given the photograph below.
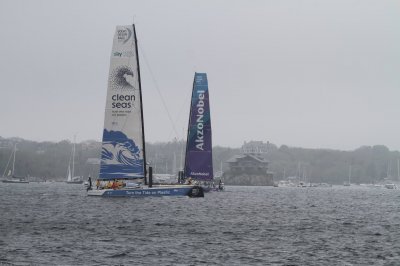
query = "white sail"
x=122 y=148
x=69 y=176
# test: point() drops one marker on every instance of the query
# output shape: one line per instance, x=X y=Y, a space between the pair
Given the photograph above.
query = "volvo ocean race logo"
x=200 y=120
x=122 y=79
x=123 y=35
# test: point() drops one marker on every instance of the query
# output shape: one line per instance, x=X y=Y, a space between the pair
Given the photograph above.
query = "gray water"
x=56 y=224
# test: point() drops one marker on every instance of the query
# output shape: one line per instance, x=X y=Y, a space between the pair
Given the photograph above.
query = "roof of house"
x=238 y=157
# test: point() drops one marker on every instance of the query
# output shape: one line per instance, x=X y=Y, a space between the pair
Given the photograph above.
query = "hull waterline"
x=15 y=181
x=159 y=191
x=74 y=182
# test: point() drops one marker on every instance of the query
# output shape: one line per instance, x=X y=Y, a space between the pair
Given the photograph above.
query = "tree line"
x=50 y=160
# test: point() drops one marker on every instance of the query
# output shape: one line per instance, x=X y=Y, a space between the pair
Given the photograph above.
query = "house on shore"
x=249 y=168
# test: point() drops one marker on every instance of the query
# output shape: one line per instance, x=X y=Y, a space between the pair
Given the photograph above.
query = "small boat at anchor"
x=11 y=177
x=71 y=178
x=390 y=186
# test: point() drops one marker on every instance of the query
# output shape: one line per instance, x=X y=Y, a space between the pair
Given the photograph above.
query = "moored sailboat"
x=71 y=178
x=348 y=183
x=123 y=157
x=11 y=177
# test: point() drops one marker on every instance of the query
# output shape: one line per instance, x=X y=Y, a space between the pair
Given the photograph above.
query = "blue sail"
x=122 y=153
x=198 y=159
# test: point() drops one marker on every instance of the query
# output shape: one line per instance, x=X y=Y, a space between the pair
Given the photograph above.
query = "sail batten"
x=122 y=154
x=198 y=159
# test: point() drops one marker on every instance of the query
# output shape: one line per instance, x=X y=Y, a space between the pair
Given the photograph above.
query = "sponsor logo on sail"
x=122 y=101
x=122 y=80
x=123 y=35
x=199 y=174
x=124 y=54
x=200 y=121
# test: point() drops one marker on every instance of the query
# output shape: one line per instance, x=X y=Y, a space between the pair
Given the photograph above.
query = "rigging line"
x=178 y=117
x=9 y=160
x=158 y=90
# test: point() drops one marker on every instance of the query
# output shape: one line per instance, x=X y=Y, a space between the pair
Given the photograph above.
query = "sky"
x=307 y=73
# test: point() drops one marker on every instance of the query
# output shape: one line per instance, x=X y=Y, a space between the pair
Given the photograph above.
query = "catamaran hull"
x=190 y=191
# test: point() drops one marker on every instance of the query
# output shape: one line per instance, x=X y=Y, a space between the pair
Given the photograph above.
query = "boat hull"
x=207 y=189
x=210 y=187
x=390 y=186
x=74 y=182
x=161 y=191
x=15 y=181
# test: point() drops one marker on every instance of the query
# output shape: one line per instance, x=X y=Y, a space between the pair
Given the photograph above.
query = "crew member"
x=90 y=184
x=114 y=184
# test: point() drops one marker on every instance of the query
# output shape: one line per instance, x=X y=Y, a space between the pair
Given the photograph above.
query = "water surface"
x=56 y=224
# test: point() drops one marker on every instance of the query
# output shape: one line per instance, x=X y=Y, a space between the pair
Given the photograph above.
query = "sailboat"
x=11 y=177
x=348 y=183
x=198 y=157
x=389 y=180
x=71 y=179
x=123 y=171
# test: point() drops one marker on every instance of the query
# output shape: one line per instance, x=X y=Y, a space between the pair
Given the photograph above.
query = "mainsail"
x=198 y=159
x=123 y=152
x=69 y=176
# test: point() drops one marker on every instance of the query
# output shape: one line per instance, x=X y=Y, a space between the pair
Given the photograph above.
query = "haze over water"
x=315 y=74
x=56 y=223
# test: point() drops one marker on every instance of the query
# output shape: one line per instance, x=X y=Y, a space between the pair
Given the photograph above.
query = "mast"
x=73 y=158
x=155 y=164
x=8 y=162
x=15 y=151
x=188 y=128
x=141 y=104
x=349 y=173
x=298 y=171
x=174 y=165
x=388 y=170
x=181 y=160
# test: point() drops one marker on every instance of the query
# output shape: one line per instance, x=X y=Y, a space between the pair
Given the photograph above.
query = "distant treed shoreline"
x=49 y=160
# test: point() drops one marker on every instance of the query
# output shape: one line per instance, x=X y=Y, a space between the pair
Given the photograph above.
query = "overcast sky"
x=314 y=74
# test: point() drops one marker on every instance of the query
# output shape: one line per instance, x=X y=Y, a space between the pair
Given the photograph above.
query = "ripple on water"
x=57 y=224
